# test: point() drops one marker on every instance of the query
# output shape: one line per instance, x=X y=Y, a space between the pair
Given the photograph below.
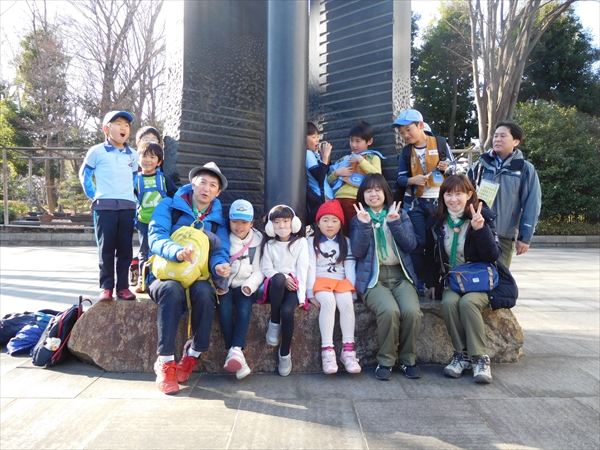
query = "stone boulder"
x=121 y=336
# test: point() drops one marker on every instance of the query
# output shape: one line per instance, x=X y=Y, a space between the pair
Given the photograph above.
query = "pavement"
x=548 y=400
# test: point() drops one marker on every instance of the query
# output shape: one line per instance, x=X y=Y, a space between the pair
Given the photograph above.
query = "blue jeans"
x=172 y=307
x=114 y=231
x=142 y=229
x=234 y=332
x=419 y=211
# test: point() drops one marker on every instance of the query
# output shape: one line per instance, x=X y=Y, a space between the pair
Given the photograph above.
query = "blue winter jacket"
x=362 y=241
x=161 y=227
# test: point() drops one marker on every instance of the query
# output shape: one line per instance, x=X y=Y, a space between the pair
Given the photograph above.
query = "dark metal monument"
x=246 y=75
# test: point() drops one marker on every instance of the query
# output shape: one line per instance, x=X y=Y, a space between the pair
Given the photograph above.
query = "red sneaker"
x=165 y=377
x=186 y=364
x=106 y=295
x=125 y=294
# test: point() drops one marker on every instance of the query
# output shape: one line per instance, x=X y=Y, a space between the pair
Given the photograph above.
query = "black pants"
x=114 y=232
x=283 y=306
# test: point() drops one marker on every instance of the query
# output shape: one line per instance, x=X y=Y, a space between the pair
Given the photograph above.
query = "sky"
x=14 y=14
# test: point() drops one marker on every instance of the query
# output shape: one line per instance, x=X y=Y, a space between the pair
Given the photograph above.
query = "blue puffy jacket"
x=362 y=240
x=161 y=227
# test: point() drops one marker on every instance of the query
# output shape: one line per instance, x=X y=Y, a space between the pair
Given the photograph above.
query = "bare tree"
x=121 y=56
x=503 y=34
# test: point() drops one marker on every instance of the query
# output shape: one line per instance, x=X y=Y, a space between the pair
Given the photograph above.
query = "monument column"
x=287 y=87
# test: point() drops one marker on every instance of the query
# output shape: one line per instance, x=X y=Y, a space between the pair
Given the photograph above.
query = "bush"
x=12 y=215
x=563 y=146
x=553 y=228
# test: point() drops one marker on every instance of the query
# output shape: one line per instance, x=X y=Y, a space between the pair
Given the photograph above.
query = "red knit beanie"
x=331 y=207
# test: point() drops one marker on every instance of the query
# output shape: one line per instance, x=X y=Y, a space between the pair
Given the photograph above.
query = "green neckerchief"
x=379 y=234
x=198 y=214
x=456 y=228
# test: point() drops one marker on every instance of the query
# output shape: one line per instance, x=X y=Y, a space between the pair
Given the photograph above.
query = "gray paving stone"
x=548 y=423
x=133 y=385
x=65 y=381
x=310 y=424
x=424 y=423
x=255 y=385
x=167 y=424
x=547 y=377
x=434 y=384
x=592 y=402
x=544 y=343
x=8 y=363
x=351 y=387
x=6 y=401
x=54 y=423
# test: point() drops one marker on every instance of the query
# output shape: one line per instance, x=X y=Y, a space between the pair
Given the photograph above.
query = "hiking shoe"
x=383 y=373
x=350 y=362
x=186 y=364
x=329 y=363
x=165 y=377
x=482 y=372
x=460 y=362
x=235 y=360
x=125 y=294
x=273 y=333
x=411 y=371
x=285 y=363
x=243 y=372
x=106 y=295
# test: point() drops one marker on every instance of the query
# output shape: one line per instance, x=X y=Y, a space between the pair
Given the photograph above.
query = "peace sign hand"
x=477 y=219
x=361 y=214
x=394 y=212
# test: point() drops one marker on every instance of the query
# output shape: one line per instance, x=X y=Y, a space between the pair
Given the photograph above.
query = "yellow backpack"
x=185 y=272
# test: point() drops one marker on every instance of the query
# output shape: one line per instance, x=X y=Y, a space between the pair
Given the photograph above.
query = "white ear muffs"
x=296 y=222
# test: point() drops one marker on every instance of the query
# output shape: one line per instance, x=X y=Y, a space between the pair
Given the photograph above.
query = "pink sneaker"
x=350 y=362
x=235 y=360
x=329 y=362
x=106 y=295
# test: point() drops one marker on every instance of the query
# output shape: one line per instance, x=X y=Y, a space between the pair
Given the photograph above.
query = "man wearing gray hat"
x=195 y=201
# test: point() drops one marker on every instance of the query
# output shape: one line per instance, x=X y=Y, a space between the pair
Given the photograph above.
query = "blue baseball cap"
x=241 y=210
x=407 y=117
x=109 y=117
x=427 y=129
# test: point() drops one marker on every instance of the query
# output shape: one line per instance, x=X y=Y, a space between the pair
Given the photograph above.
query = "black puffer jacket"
x=480 y=246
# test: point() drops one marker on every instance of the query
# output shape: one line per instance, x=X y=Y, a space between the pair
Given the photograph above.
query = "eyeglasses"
x=150 y=140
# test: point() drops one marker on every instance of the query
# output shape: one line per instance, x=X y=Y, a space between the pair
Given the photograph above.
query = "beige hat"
x=209 y=167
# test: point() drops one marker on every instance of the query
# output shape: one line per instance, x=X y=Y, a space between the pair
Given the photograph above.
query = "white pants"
x=329 y=301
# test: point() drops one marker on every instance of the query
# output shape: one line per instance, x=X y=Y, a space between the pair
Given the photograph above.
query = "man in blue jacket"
x=195 y=201
x=511 y=188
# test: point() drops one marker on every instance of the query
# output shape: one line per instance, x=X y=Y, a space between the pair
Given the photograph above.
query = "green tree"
x=561 y=67
x=443 y=86
x=563 y=145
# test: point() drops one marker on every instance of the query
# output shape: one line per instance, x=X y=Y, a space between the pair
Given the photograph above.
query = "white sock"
x=166 y=358
x=192 y=352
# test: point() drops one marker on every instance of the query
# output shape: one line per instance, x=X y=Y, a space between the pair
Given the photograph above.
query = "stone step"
x=121 y=336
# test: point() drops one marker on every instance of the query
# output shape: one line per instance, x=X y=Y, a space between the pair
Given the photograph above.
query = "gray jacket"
x=362 y=240
x=519 y=198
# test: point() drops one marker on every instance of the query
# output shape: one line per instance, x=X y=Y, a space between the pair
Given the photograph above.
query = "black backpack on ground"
x=51 y=349
x=406 y=153
x=12 y=323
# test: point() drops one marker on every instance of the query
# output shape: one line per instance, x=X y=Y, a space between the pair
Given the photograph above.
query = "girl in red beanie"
x=331 y=283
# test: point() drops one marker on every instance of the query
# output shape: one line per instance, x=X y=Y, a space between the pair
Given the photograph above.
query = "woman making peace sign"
x=382 y=237
x=463 y=231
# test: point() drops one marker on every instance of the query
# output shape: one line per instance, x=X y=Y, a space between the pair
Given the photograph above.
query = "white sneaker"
x=243 y=372
x=235 y=360
x=482 y=372
x=329 y=363
x=460 y=362
x=350 y=362
x=273 y=333
x=285 y=363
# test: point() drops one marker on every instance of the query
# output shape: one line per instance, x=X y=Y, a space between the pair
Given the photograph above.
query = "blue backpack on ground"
x=12 y=323
x=27 y=337
x=51 y=348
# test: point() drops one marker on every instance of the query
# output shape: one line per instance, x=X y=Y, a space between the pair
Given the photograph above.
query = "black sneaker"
x=411 y=371
x=383 y=373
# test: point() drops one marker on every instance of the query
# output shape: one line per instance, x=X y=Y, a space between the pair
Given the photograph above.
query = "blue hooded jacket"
x=161 y=227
